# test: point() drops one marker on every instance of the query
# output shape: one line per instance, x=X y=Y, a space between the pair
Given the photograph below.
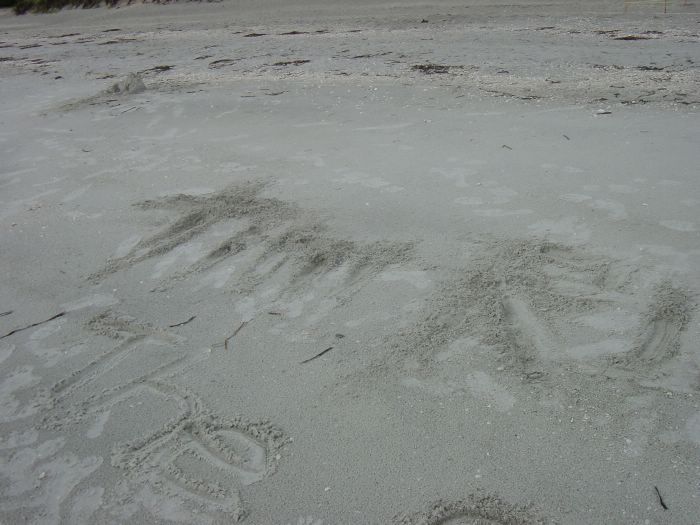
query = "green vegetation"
x=21 y=7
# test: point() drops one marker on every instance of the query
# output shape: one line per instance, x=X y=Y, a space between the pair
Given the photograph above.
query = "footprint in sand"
x=679 y=226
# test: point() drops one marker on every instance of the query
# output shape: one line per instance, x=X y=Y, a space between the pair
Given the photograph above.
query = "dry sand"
x=350 y=263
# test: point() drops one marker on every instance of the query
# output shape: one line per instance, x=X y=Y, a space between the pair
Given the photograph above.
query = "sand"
x=318 y=263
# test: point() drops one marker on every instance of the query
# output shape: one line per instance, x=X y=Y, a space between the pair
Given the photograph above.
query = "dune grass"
x=21 y=7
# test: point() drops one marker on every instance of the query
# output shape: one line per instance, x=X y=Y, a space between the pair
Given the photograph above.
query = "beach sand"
x=350 y=263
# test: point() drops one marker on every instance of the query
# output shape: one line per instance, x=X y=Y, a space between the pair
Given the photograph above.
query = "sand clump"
x=484 y=510
x=130 y=85
x=118 y=326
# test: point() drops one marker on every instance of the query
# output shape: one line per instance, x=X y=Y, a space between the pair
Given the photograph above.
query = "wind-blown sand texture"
x=365 y=262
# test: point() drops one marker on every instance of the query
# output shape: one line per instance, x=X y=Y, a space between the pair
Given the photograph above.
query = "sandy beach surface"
x=350 y=262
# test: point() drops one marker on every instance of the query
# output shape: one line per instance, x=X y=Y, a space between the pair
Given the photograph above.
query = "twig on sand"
x=431 y=69
x=506 y=146
x=32 y=325
x=632 y=37
x=157 y=69
x=661 y=500
x=291 y=63
x=567 y=138
x=3 y=314
x=234 y=334
x=317 y=355
x=274 y=313
x=183 y=322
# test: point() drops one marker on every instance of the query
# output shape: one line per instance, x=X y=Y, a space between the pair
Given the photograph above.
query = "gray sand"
x=327 y=263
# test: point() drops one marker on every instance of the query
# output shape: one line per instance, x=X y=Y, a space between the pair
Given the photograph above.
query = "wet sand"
x=383 y=263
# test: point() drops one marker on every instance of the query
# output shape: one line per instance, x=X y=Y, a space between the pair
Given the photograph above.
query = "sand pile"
x=130 y=85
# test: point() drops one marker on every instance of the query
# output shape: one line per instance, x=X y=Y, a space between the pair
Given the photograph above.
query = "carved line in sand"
x=659 y=338
x=508 y=297
x=196 y=455
x=519 y=297
x=229 y=454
